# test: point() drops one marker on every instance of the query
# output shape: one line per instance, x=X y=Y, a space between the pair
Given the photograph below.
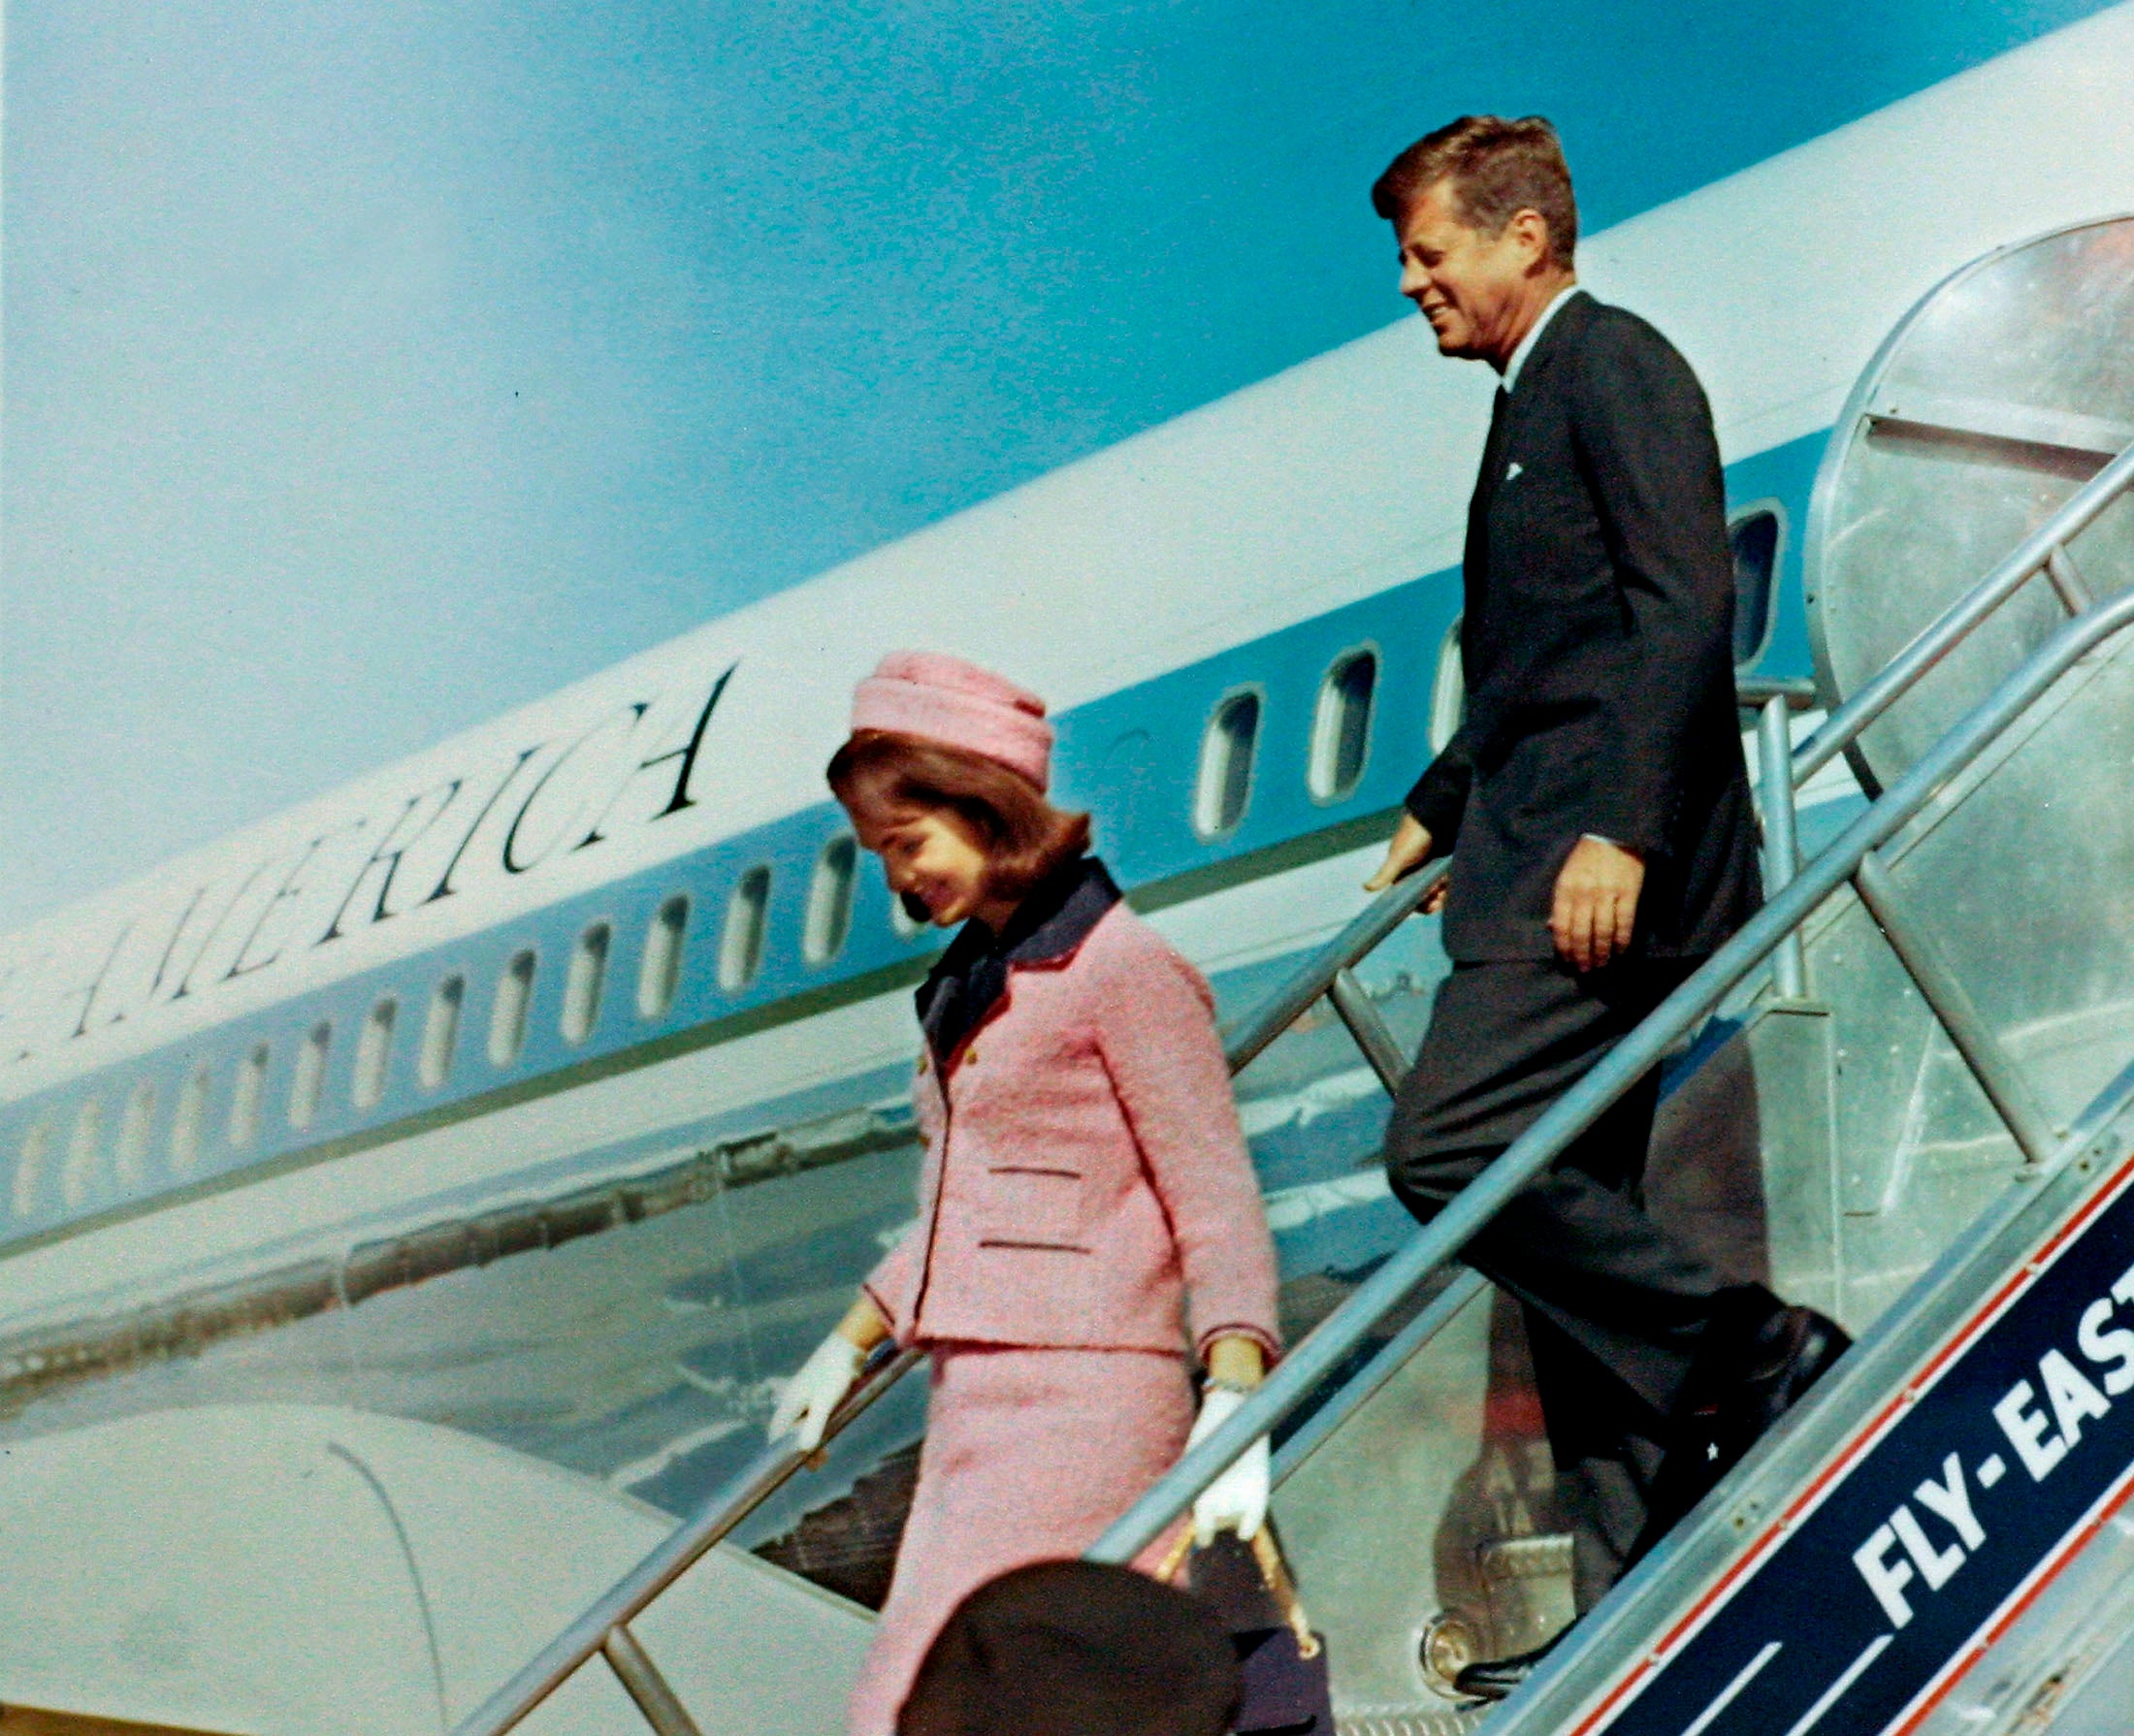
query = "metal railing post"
x=642 y=1680
x=1957 y=1014
x=1245 y=1041
x=1939 y=637
x=667 y=1561
x=1360 y=1387
x=1796 y=892
x=1337 y=1336
x=604 y=1627
x=1775 y=764
x=1369 y=1029
x=2067 y=579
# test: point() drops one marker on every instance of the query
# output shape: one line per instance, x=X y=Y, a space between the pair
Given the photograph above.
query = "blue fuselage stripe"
x=1132 y=758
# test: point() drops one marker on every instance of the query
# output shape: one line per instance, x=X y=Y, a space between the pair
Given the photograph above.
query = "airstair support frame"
x=604 y=1629
x=1883 y=1373
x=1338 y=1336
x=2035 y=554
x=1793 y=898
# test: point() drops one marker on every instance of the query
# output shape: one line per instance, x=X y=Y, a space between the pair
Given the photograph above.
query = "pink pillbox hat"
x=943 y=699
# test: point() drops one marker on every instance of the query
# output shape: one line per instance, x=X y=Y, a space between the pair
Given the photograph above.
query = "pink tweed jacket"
x=1085 y=1182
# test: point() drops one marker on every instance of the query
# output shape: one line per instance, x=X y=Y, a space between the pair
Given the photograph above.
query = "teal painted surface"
x=1132 y=758
x=373 y=369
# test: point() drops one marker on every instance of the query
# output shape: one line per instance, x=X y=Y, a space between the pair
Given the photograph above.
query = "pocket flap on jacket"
x=1033 y=1204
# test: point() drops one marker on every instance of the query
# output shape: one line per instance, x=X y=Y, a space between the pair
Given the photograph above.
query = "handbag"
x=1283 y=1664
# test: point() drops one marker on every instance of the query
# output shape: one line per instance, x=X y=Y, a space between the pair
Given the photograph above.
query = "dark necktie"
x=1493 y=448
x=1475 y=562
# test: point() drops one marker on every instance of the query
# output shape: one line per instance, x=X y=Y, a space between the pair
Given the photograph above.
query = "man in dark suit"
x=1597 y=796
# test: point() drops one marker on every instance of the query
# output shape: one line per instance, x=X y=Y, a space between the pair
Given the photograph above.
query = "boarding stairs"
x=1933 y=1012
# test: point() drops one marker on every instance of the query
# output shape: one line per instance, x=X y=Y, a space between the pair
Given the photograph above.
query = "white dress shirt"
x=1533 y=333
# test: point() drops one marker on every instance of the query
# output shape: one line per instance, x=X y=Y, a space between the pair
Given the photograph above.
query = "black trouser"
x=1615 y=1304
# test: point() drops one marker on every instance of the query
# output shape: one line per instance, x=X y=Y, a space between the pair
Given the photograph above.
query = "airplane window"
x=1225 y=785
x=830 y=901
x=1755 y=538
x=190 y=1119
x=244 y=1099
x=374 y=1049
x=741 y=946
x=440 y=1032
x=129 y=1156
x=1340 y=725
x=1449 y=692
x=309 y=1083
x=584 y=982
x=660 y=975
x=508 y=1012
x=77 y=1175
x=29 y=1167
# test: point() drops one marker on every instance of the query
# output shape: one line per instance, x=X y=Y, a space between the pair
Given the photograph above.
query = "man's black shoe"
x=1794 y=1351
x=1493 y=1680
x=1749 y=1374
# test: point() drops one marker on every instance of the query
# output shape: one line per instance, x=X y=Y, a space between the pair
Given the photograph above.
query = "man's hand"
x=1408 y=851
x=1595 y=905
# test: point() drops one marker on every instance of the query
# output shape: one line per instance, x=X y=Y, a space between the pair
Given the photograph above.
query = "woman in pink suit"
x=1089 y=1218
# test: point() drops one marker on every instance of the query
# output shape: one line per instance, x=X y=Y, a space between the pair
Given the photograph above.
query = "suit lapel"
x=1559 y=334
x=1493 y=450
x=1474 y=560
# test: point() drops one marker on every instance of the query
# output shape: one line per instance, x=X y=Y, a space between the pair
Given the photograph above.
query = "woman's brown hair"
x=1026 y=838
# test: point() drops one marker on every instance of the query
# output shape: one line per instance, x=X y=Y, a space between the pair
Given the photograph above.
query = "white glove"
x=1236 y=1500
x=812 y=1393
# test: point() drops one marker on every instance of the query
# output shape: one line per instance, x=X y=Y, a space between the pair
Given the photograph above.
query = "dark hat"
x=1076 y=1648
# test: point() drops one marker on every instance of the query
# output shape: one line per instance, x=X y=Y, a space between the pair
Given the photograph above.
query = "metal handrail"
x=1791 y=899
x=1440 y=1240
x=1245 y=1041
x=2041 y=552
x=1755 y=691
x=1361 y=1387
x=604 y=1628
x=1781 y=848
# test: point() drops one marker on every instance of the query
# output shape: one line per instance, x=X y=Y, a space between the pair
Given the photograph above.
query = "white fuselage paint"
x=1324 y=484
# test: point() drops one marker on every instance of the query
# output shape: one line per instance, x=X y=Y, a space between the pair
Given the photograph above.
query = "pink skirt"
x=1029 y=1455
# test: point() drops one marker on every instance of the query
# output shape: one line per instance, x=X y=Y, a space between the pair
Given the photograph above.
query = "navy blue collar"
x=969 y=979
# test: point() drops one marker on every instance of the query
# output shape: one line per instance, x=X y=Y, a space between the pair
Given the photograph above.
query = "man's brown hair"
x=1497 y=167
x=1026 y=838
